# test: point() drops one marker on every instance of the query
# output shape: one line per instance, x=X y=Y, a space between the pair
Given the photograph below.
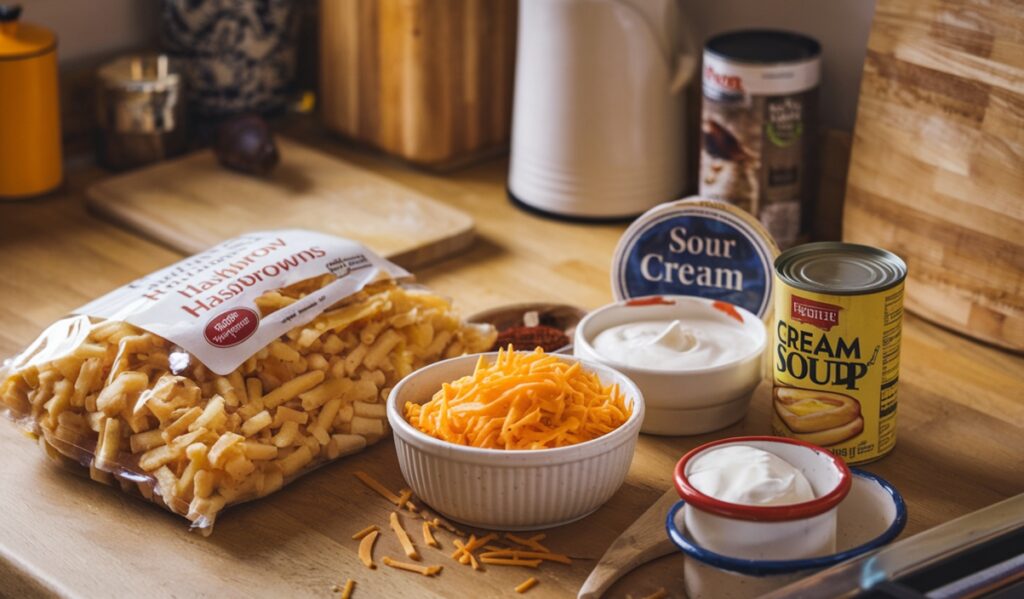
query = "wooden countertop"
x=960 y=447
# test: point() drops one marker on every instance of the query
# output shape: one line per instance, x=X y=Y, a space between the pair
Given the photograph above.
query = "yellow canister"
x=836 y=360
x=30 y=144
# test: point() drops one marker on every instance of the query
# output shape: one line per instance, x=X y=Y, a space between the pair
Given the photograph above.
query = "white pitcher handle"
x=686 y=61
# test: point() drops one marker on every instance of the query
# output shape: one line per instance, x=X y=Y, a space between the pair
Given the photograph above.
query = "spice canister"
x=758 y=123
x=30 y=143
x=141 y=111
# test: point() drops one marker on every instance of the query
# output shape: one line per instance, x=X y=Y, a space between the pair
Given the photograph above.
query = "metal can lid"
x=763 y=46
x=840 y=268
x=699 y=247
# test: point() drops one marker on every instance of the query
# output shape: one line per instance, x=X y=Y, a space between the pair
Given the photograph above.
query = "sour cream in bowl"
x=762 y=497
x=696 y=360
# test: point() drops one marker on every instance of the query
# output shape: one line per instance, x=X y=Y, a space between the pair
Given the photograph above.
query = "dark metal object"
x=977 y=555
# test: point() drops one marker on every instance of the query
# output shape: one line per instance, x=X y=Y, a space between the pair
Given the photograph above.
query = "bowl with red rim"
x=872 y=516
x=756 y=532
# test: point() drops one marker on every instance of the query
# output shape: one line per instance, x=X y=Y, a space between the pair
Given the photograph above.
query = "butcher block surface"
x=192 y=203
x=937 y=171
x=959 y=448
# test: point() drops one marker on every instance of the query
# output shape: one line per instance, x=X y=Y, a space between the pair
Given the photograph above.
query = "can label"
x=757 y=126
x=836 y=368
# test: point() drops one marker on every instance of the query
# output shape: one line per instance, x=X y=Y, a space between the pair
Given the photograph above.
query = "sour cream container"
x=793 y=531
x=707 y=265
x=687 y=399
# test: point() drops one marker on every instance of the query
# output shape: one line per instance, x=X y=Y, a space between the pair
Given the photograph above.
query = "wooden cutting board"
x=937 y=166
x=191 y=203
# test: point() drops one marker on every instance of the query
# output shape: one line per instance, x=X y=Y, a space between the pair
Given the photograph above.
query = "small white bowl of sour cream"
x=696 y=360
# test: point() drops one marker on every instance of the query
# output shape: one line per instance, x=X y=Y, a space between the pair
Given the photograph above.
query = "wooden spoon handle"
x=643 y=541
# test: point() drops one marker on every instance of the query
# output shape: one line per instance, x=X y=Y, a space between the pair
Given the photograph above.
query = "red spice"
x=728 y=309
x=530 y=338
x=656 y=300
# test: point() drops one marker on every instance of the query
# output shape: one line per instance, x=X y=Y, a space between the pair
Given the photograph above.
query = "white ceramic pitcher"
x=598 y=118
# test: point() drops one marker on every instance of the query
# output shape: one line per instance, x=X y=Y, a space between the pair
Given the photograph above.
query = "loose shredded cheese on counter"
x=403 y=499
x=506 y=561
x=403 y=537
x=428 y=536
x=424 y=570
x=366 y=549
x=524 y=400
x=365 y=531
x=541 y=555
x=374 y=484
x=526 y=585
x=346 y=593
x=533 y=542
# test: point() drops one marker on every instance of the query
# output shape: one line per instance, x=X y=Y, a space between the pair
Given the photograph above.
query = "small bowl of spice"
x=532 y=325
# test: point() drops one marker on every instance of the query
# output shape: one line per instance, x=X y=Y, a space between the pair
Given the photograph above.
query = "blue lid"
x=697 y=247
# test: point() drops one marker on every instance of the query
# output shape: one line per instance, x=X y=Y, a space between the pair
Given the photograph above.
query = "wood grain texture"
x=937 y=166
x=429 y=81
x=192 y=203
x=826 y=222
x=961 y=428
x=643 y=541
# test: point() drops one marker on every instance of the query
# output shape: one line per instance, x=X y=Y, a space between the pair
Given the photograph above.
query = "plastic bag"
x=221 y=378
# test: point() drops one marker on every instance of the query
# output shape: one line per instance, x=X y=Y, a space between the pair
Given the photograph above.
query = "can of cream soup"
x=836 y=357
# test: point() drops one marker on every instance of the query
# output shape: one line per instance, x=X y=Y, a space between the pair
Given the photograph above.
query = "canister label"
x=836 y=369
x=756 y=138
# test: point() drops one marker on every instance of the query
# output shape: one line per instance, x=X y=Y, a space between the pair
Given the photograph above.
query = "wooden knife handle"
x=643 y=541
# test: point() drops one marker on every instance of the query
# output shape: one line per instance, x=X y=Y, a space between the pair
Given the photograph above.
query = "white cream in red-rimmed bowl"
x=686 y=397
x=511 y=489
x=752 y=528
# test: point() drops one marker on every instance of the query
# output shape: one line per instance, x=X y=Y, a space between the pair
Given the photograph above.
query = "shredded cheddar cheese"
x=424 y=570
x=428 y=536
x=526 y=585
x=475 y=544
x=524 y=400
x=659 y=594
x=510 y=561
x=365 y=531
x=366 y=549
x=541 y=555
x=403 y=500
x=346 y=593
x=532 y=542
x=403 y=538
x=374 y=484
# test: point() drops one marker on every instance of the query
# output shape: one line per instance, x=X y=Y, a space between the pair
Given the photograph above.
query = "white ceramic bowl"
x=796 y=531
x=683 y=402
x=510 y=490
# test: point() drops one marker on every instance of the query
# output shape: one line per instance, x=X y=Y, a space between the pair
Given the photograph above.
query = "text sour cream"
x=674 y=345
x=748 y=476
